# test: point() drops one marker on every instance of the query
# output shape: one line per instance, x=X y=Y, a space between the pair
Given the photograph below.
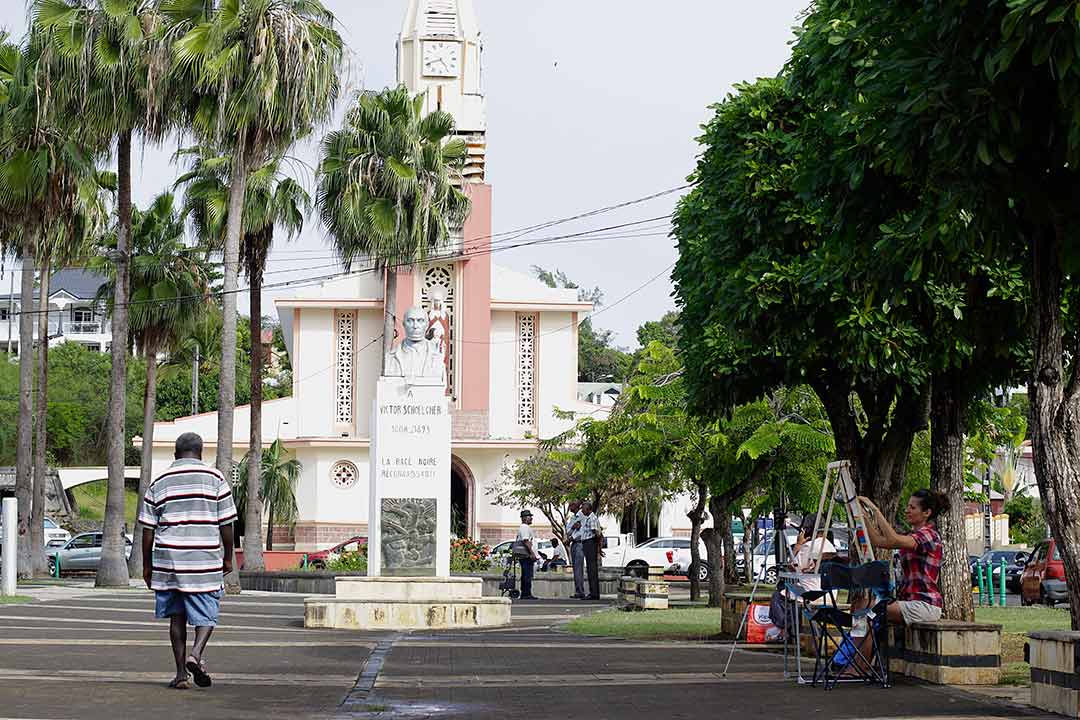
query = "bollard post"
x=982 y=584
x=56 y=566
x=303 y=562
x=990 y=581
x=8 y=575
x=1002 y=582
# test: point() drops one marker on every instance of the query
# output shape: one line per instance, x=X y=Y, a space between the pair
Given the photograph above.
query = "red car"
x=353 y=544
x=1043 y=580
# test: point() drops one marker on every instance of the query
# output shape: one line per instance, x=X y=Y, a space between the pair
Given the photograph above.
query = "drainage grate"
x=365 y=682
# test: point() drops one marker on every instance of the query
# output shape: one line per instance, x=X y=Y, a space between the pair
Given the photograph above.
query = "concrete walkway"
x=81 y=653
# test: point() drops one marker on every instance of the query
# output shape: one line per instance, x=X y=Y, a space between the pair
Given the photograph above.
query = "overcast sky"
x=589 y=104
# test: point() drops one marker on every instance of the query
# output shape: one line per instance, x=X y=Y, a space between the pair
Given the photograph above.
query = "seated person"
x=807 y=556
x=559 y=558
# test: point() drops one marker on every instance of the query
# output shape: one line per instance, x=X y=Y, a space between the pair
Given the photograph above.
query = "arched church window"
x=344 y=474
x=345 y=348
x=526 y=369
x=437 y=297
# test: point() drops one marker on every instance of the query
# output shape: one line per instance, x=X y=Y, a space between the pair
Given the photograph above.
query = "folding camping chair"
x=839 y=651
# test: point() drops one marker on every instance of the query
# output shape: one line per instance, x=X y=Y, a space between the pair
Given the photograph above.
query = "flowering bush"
x=348 y=561
x=467 y=555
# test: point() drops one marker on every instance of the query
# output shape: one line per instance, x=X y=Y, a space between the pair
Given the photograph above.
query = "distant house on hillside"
x=605 y=394
x=73 y=314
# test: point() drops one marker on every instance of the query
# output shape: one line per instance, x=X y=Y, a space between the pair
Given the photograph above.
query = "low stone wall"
x=321 y=582
x=947 y=652
x=1055 y=671
x=638 y=594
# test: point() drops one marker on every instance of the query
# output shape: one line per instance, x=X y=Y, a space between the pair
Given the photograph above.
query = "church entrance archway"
x=462 y=500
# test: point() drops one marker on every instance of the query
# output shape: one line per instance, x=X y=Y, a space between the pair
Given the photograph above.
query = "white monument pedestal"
x=408 y=585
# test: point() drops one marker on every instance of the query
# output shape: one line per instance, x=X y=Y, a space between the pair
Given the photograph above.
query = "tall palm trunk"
x=227 y=373
x=389 y=314
x=24 y=483
x=37 y=519
x=270 y=528
x=227 y=376
x=253 y=552
x=113 y=571
x=135 y=562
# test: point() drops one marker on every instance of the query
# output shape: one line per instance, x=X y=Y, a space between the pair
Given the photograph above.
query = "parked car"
x=681 y=560
x=1015 y=562
x=55 y=536
x=1043 y=580
x=82 y=552
x=658 y=552
x=319 y=559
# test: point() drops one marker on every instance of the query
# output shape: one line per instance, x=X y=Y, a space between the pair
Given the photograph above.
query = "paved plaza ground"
x=86 y=654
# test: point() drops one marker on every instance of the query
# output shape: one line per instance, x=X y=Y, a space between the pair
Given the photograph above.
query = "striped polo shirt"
x=187 y=505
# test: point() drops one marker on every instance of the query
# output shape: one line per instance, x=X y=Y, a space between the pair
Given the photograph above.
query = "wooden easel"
x=839 y=487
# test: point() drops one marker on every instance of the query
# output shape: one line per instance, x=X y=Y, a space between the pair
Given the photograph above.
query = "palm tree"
x=169 y=294
x=65 y=240
x=388 y=186
x=43 y=160
x=272 y=201
x=280 y=473
x=265 y=73
x=114 y=54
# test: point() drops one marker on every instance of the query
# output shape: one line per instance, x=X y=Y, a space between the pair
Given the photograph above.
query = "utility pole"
x=195 y=383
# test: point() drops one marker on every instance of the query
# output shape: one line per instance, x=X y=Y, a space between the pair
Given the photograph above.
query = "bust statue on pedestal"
x=416 y=356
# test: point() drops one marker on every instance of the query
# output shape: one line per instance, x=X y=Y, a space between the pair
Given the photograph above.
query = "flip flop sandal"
x=180 y=684
x=198 y=672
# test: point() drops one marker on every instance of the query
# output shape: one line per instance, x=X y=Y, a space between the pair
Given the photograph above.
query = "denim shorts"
x=200 y=609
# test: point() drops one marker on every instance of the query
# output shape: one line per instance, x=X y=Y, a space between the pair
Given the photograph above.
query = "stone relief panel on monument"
x=408 y=536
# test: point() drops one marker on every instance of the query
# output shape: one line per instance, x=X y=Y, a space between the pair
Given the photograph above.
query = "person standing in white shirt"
x=577 y=550
x=528 y=562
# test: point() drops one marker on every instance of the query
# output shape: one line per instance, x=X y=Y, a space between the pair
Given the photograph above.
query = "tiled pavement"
x=95 y=654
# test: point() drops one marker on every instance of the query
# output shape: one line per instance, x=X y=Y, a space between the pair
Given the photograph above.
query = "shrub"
x=348 y=561
x=467 y=555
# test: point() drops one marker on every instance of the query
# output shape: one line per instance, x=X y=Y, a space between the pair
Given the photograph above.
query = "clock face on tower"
x=441 y=58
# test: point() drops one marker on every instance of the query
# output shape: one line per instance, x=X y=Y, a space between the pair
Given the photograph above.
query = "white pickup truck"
x=637 y=559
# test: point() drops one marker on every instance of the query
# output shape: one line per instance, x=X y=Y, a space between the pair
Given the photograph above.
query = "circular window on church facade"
x=344 y=474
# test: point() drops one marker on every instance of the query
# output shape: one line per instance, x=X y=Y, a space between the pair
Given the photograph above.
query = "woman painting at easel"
x=918 y=595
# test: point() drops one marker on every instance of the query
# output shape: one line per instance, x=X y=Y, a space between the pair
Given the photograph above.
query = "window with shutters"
x=441 y=18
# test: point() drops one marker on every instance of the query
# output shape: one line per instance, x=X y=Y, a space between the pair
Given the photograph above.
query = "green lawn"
x=90 y=499
x=14 y=599
x=1016 y=622
x=675 y=624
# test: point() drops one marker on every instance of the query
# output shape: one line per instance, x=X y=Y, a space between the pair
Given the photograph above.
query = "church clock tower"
x=440 y=52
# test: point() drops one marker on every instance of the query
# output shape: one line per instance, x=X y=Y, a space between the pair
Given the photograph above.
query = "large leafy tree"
x=389 y=186
x=265 y=74
x=773 y=295
x=169 y=293
x=930 y=100
x=113 y=55
x=273 y=201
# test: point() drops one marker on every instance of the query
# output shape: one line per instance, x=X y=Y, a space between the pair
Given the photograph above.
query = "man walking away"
x=527 y=558
x=590 y=542
x=577 y=552
x=188 y=513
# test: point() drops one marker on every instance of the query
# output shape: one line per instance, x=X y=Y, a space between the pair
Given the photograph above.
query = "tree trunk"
x=253 y=549
x=947 y=476
x=39 y=564
x=1055 y=410
x=113 y=571
x=731 y=575
x=389 y=314
x=227 y=373
x=146 y=469
x=270 y=528
x=714 y=549
x=696 y=515
x=749 y=526
x=24 y=483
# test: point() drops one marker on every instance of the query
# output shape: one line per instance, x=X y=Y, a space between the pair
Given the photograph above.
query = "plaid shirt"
x=921 y=567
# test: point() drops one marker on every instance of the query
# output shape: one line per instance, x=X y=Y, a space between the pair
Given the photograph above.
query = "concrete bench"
x=638 y=594
x=1055 y=670
x=947 y=652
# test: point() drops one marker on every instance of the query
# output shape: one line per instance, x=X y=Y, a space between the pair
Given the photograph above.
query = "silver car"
x=81 y=553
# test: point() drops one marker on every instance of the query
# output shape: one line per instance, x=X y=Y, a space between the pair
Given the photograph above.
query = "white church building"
x=512 y=342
